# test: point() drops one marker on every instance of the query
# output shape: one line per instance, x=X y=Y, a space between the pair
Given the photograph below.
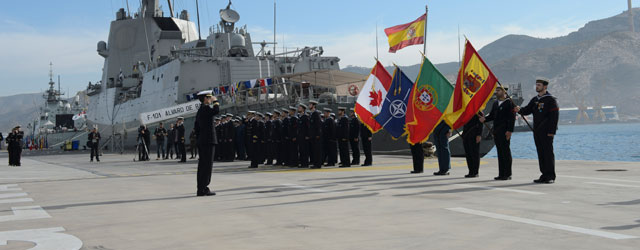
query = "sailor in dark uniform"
x=94 y=138
x=206 y=139
x=417 y=154
x=239 y=138
x=217 y=151
x=283 y=149
x=366 y=136
x=354 y=134
x=268 y=138
x=221 y=136
x=230 y=154
x=276 y=138
x=160 y=133
x=249 y=133
x=329 y=138
x=222 y=139
x=181 y=140
x=471 y=137
x=14 y=147
x=315 y=135
x=504 y=118
x=262 y=126
x=294 y=128
x=342 y=134
x=545 y=110
x=258 y=137
x=303 y=135
x=171 y=135
x=441 y=135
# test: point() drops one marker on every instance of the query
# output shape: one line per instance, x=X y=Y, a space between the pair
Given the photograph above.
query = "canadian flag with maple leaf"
x=372 y=96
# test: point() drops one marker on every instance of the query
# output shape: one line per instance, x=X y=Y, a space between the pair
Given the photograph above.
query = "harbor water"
x=592 y=142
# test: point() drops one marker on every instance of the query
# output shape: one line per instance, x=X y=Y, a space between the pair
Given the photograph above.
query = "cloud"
x=26 y=53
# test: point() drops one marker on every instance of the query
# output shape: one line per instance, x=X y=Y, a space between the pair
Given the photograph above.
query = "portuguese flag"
x=474 y=87
x=428 y=102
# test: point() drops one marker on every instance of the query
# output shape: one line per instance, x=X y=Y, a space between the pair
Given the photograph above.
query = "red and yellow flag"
x=407 y=34
x=474 y=87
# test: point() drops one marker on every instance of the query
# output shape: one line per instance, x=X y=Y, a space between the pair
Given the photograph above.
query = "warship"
x=60 y=122
x=154 y=65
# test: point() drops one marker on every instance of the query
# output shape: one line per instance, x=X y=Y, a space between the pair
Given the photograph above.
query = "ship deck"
x=121 y=204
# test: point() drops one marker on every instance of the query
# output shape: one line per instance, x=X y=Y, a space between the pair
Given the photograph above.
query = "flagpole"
x=426 y=15
x=459 y=57
x=377 y=41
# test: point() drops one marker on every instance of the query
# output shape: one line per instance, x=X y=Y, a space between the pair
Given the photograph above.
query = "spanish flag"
x=407 y=34
x=474 y=87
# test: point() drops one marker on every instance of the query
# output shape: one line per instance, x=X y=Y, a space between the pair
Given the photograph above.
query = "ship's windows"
x=175 y=79
x=161 y=75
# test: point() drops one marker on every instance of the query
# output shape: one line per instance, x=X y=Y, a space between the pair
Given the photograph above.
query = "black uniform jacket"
x=545 y=113
x=342 y=130
x=205 y=131
x=354 y=128
x=315 y=129
x=502 y=116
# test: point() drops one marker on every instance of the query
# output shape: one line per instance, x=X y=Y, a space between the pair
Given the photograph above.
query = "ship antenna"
x=128 y=13
x=274 y=28
x=198 y=15
x=50 y=72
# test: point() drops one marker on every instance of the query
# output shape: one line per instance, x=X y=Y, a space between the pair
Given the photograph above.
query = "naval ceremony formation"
x=216 y=137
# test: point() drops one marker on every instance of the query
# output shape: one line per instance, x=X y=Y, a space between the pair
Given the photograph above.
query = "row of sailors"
x=296 y=137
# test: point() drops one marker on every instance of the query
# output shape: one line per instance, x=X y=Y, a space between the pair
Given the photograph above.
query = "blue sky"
x=33 y=33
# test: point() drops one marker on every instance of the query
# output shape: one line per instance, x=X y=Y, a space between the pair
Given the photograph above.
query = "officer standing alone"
x=206 y=134
x=94 y=138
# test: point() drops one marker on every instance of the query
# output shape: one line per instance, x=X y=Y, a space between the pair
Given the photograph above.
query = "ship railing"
x=277 y=95
x=192 y=52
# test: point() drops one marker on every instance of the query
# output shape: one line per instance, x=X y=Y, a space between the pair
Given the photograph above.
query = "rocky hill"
x=18 y=110
x=598 y=61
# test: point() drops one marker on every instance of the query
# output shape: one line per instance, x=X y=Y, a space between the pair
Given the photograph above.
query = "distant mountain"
x=18 y=110
x=599 y=62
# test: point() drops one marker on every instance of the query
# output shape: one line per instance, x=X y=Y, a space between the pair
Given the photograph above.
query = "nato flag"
x=394 y=109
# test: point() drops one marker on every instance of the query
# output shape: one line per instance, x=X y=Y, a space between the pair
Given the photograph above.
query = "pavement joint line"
x=599 y=179
x=10 y=187
x=305 y=188
x=501 y=189
x=18 y=200
x=12 y=195
x=612 y=184
x=540 y=223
